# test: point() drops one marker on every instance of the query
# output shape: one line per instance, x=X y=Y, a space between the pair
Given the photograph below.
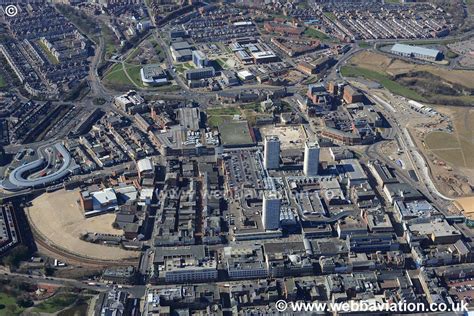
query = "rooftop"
x=408 y=49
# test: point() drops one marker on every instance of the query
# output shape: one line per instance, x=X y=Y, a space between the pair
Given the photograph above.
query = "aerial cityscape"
x=236 y=157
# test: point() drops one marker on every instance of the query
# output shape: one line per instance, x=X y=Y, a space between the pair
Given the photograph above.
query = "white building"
x=311 y=159
x=271 y=154
x=245 y=262
x=185 y=264
x=271 y=211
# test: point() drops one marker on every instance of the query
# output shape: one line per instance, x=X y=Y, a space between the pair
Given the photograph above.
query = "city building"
x=185 y=264
x=351 y=95
x=245 y=262
x=271 y=153
x=200 y=73
x=271 y=210
x=9 y=233
x=311 y=159
x=153 y=75
x=200 y=59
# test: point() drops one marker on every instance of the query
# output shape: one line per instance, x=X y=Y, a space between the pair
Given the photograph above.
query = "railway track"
x=74 y=259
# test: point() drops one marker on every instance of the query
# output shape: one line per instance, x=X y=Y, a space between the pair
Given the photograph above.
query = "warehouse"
x=416 y=52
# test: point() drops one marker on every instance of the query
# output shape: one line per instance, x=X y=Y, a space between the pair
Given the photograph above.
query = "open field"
x=57 y=217
x=312 y=32
x=394 y=66
x=117 y=76
x=3 y=83
x=78 y=309
x=218 y=116
x=55 y=303
x=8 y=304
x=449 y=154
x=457 y=148
x=426 y=83
x=48 y=53
x=383 y=79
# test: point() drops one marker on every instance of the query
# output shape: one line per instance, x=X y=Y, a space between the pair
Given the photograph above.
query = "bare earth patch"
x=57 y=217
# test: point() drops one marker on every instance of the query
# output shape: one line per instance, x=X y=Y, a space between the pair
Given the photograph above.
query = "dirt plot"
x=58 y=218
x=450 y=154
x=394 y=66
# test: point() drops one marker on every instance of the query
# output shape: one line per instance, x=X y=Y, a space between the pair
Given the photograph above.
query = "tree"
x=16 y=255
x=24 y=301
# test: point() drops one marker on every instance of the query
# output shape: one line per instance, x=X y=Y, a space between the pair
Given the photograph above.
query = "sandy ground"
x=58 y=217
x=450 y=154
x=378 y=62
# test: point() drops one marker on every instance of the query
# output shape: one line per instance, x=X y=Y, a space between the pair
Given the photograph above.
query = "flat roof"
x=408 y=49
x=181 y=45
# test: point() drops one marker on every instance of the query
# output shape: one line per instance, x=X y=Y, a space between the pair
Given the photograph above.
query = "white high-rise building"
x=271 y=210
x=311 y=159
x=271 y=154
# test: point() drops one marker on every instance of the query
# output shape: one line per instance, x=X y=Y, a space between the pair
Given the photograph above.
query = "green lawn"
x=365 y=45
x=251 y=106
x=56 y=303
x=451 y=54
x=223 y=111
x=117 y=76
x=393 y=86
x=331 y=16
x=3 y=83
x=134 y=73
x=312 y=32
x=50 y=56
x=215 y=121
x=222 y=62
x=8 y=305
x=111 y=41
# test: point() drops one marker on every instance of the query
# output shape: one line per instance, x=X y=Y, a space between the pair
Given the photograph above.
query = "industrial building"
x=271 y=153
x=416 y=52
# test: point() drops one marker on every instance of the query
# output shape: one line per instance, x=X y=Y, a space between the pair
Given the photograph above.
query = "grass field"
x=451 y=148
x=414 y=81
x=79 y=309
x=134 y=73
x=111 y=41
x=393 y=86
x=117 y=76
x=8 y=305
x=312 y=32
x=223 y=111
x=56 y=303
x=394 y=66
x=330 y=16
x=215 y=121
x=3 y=83
x=50 y=56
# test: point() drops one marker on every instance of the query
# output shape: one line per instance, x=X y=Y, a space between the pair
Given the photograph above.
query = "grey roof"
x=16 y=179
x=181 y=45
x=407 y=49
